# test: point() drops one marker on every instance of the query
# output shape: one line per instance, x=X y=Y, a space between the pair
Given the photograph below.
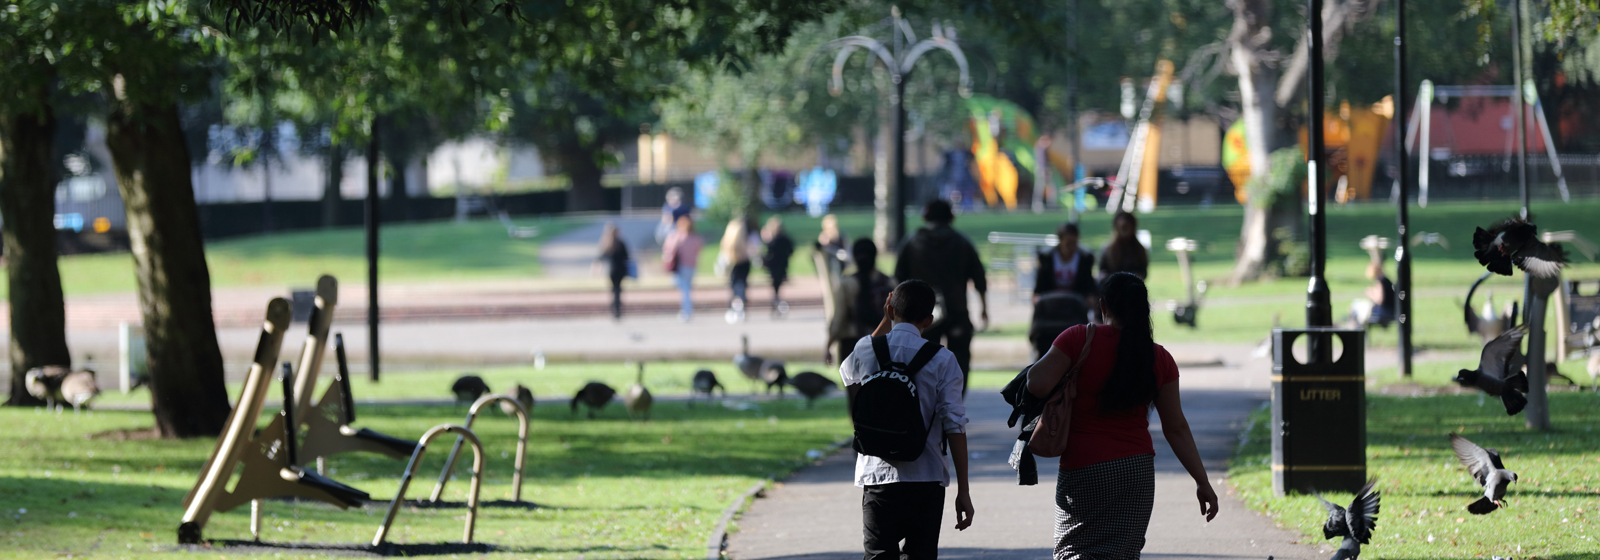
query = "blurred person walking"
x=1066 y=268
x=831 y=247
x=675 y=207
x=1124 y=253
x=619 y=265
x=680 y=254
x=1106 y=487
x=858 y=302
x=736 y=254
x=780 y=248
x=941 y=256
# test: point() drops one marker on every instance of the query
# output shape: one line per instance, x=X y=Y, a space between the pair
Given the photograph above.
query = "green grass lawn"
x=605 y=488
x=431 y=251
x=1552 y=508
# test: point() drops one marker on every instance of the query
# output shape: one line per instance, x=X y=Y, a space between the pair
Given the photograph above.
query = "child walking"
x=896 y=378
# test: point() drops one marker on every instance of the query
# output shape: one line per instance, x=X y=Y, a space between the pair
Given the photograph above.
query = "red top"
x=1097 y=437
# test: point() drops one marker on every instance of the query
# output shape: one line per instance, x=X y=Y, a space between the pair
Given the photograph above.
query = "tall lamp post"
x=1535 y=290
x=1319 y=311
x=1402 y=255
x=899 y=57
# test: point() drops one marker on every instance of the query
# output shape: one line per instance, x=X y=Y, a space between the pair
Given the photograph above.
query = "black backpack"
x=887 y=415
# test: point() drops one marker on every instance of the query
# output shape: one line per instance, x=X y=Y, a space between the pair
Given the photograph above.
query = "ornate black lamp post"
x=899 y=57
x=1319 y=310
x=1402 y=252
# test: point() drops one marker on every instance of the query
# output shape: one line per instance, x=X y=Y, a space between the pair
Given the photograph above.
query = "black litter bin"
x=1319 y=412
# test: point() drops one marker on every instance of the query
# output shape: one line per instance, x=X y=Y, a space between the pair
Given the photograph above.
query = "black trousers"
x=616 y=297
x=908 y=511
x=956 y=333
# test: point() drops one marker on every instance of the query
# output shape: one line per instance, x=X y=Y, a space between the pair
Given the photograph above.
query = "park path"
x=816 y=514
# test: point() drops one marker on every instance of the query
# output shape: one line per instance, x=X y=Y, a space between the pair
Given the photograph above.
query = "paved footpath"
x=817 y=512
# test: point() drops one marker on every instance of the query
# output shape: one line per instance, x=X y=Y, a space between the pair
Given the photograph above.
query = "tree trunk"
x=399 y=195
x=331 y=194
x=1255 y=90
x=27 y=208
x=752 y=189
x=152 y=166
x=578 y=163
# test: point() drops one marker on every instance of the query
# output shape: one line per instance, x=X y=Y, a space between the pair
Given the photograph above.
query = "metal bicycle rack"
x=405 y=480
x=522 y=446
x=266 y=458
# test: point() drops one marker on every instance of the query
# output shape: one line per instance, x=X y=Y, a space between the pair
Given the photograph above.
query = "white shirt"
x=939 y=392
x=1067 y=272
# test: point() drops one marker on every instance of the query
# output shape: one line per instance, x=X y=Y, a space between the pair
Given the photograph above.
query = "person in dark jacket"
x=614 y=253
x=1124 y=253
x=1067 y=268
x=941 y=256
x=780 y=247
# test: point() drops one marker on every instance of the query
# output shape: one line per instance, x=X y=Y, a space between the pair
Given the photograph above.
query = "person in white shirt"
x=905 y=500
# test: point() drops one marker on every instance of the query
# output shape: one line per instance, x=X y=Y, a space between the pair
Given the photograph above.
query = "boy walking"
x=895 y=377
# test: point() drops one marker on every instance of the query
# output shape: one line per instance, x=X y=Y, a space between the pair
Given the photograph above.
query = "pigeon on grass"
x=1355 y=523
x=1515 y=242
x=1499 y=371
x=1486 y=468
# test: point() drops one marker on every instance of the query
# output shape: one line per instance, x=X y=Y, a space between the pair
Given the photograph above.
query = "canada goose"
x=748 y=365
x=522 y=395
x=78 y=387
x=774 y=375
x=638 y=399
x=705 y=382
x=44 y=383
x=595 y=395
x=1487 y=325
x=468 y=388
x=812 y=385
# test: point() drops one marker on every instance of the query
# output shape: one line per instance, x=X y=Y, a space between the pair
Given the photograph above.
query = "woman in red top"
x=1106 y=488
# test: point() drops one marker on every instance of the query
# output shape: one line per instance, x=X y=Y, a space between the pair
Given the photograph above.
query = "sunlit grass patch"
x=605 y=488
x=1552 y=508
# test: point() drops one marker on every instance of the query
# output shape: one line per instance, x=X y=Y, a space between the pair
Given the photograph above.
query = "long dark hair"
x=1133 y=377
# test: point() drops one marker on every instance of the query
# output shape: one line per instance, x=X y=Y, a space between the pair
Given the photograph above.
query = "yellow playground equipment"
x=1003 y=132
x=1353 y=137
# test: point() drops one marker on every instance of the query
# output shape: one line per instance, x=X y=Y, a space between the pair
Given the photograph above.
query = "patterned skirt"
x=1102 y=510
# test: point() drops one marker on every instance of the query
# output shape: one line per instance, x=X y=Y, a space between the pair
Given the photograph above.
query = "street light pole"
x=372 y=251
x=899 y=57
x=1402 y=253
x=1319 y=312
x=1535 y=291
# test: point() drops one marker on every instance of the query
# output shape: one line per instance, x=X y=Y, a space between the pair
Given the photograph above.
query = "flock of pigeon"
x=595 y=395
x=1513 y=243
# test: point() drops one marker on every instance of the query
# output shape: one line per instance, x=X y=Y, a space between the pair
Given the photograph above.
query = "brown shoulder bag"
x=1055 y=422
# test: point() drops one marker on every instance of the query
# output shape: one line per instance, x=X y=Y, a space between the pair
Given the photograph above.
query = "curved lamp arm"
x=847 y=46
x=921 y=48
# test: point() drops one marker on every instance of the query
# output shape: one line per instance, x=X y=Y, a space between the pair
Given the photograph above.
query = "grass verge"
x=606 y=488
x=1552 y=508
x=427 y=251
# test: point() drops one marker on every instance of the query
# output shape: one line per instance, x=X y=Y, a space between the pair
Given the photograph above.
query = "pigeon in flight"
x=1486 y=468
x=1516 y=242
x=1499 y=371
x=1354 y=524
